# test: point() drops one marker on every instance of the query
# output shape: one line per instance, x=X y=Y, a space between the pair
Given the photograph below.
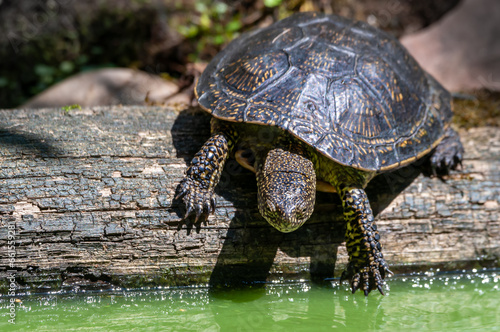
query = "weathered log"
x=88 y=196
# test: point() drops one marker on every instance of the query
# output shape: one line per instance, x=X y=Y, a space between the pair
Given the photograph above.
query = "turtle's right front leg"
x=204 y=173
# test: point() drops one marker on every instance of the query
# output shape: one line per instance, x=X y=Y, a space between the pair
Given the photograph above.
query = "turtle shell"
x=345 y=88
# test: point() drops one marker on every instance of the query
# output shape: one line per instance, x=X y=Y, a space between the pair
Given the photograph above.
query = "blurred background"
x=44 y=42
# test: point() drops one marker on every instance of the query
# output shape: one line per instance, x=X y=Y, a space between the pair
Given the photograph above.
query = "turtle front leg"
x=367 y=267
x=203 y=175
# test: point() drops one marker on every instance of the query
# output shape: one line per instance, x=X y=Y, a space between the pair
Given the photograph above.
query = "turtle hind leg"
x=367 y=268
x=448 y=154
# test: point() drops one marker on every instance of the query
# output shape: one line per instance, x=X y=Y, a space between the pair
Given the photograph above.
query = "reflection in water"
x=444 y=302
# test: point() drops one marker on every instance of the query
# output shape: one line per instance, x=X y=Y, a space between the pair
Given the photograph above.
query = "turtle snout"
x=285 y=214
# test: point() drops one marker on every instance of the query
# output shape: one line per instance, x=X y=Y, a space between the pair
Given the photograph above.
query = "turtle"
x=326 y=103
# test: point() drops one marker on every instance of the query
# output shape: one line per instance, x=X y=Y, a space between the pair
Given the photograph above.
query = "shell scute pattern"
x=250 y=74
x=274 y=37
x=363 y=117
x=382 y=82
x=438 y=103
x=346 y=89
x=409 y=114
x=312 y=108
x=388 y=155
x=364 y=152
x=209 y=98
x=335 y=145
x=231 y=109
x=358 y=37
x=312 y=57
x=328 y=31
x=283 y=96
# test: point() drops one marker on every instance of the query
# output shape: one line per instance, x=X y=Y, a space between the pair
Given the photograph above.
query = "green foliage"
x=68 y=108
x=215 y=25
x=272 y=3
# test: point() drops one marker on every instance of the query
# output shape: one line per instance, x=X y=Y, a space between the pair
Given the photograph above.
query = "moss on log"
x=88 y=198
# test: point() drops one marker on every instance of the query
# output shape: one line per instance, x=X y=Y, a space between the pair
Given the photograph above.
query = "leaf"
x=272 y=3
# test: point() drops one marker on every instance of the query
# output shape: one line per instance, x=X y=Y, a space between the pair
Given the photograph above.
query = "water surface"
x=447 y=302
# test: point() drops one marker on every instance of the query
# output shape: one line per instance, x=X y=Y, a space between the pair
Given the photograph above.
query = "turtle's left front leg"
x=367 y=267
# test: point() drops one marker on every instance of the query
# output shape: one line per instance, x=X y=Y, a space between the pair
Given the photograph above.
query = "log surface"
x=88 y=198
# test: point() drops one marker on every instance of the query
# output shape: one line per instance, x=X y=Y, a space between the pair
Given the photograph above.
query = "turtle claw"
x=212 y=204
x=366 y=278
x=197 y=200
x=188 y=212
x=448 y=154
x=198 y=214
x=379 y=287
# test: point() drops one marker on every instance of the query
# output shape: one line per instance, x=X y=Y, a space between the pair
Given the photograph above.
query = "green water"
x=459 y=302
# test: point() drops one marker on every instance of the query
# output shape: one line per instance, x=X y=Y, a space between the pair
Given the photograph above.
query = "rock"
x=462 y=50
x=110 y=86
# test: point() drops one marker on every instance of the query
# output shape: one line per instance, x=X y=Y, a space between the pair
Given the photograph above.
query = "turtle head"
x=286 y=189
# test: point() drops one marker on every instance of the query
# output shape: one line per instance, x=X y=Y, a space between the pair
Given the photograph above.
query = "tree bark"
x=88 y=197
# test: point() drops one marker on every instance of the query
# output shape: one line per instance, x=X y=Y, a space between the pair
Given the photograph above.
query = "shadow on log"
x=89 y=199
x=26 y=144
